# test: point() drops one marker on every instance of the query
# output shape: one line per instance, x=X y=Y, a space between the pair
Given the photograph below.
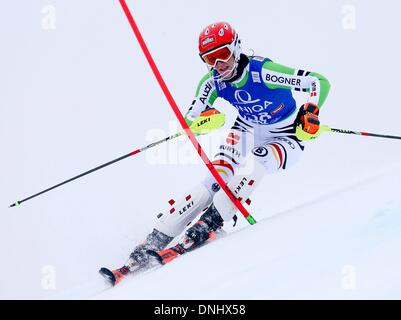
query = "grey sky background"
x=76 y=91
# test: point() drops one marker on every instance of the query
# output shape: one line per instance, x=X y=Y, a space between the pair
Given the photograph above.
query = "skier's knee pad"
x=226 y=171
x=279 y=154
x=241 y=185
x=231 y=154
x=182 y=212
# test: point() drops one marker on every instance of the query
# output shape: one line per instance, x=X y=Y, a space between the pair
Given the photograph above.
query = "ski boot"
x=155 y=241
x=203 y=230
x=139 y=258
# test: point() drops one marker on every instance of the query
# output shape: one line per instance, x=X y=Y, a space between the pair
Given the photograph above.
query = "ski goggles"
x=220 y=54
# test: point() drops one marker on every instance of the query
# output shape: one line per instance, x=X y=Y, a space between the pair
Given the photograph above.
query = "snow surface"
x=82 y=94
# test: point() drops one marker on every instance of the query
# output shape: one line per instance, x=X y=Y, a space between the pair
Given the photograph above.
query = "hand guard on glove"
x=208 y=121
x=307 y=124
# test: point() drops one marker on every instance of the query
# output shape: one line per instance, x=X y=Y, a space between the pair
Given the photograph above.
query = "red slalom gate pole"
x=179 y=116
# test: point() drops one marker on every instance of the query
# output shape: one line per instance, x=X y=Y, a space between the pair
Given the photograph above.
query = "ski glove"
x=307 y=124
x=208 y=121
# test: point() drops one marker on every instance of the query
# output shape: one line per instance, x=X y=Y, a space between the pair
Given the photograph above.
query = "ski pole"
x=207 y=122
x=17 y=203
x=359 y=133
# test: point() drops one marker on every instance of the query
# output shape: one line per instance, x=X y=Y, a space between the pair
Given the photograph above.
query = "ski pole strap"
x=359 y=133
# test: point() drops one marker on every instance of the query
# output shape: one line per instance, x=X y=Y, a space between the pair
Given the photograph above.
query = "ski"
x=108 y=275
x=162 y=257
x=167 y=255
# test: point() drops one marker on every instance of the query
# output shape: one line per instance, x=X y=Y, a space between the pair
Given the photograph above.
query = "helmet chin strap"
x=229 y=73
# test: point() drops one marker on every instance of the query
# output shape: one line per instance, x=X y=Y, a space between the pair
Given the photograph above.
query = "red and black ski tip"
x=108 y=275
x=114 y=276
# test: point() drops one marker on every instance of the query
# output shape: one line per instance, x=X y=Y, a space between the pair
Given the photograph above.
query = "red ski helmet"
x=218 y=41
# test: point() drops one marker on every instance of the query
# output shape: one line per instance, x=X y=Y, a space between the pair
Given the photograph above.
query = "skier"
x=268 y=133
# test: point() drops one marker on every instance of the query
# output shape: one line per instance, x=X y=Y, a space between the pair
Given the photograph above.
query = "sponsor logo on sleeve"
x=313 y=93
x=283 y=80
x=205 y=93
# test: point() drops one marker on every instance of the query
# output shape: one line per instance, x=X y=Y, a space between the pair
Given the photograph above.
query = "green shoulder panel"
x=213 y=96
x=243 y=81
x=205 y=78
x=275 y=67
x=272 y=66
